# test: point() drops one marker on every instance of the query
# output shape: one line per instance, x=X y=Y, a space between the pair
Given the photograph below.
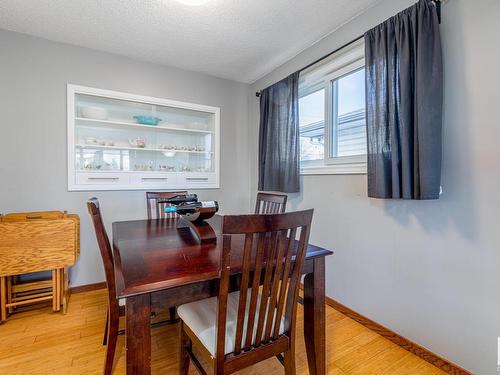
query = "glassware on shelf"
x=181 y=148
x=98 y=142
x=93 y=112
x=166 y=168
x=138 y=142
x=144 y=167
x=104 y=166
x=151 y=168
x=147 y=120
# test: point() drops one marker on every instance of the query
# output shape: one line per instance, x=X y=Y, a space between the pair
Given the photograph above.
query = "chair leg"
x=112 y=336
x=105 y=338
x=185 y=344
x=289 y=362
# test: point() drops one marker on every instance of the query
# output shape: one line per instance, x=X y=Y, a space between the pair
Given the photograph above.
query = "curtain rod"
x=438 y=9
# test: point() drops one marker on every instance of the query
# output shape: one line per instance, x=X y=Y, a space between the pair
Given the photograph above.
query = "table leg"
x=138 y=312
x=314 y=317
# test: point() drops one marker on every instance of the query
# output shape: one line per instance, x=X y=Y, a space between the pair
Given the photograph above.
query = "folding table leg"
x=59 y=288
x=3 y=300
x=9 y=293
x=65 y=289
x=54 y=290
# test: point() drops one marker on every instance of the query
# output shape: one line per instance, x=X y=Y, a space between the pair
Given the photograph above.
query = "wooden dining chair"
x=113 y=314
x=156 y=207
x=270 y=203
x=236 y=330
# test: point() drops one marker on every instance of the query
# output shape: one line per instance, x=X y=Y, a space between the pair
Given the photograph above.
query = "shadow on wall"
x=456 y=205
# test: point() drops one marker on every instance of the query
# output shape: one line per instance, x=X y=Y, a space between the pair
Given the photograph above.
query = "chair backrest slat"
x=220 y=334
x=243 y=293
x=270 y=203
x=293 y=287
x=265 y=287
x=159 y=208
x=290 y=242
x=276 y=279
x=269 y=284
x=259 y=256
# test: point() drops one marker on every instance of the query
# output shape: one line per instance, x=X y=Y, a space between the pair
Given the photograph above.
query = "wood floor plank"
x=40 y=342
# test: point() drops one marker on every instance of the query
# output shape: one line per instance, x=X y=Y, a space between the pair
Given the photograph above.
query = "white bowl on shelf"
x=95 y=113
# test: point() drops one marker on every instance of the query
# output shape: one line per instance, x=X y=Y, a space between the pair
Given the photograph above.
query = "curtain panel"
x=279 y=168
x=404 y=90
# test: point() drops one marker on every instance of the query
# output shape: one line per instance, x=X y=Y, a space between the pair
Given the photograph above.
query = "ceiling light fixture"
x=193 y=2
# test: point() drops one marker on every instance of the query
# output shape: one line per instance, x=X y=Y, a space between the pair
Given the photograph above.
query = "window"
x=312 y=126
x=332 y=115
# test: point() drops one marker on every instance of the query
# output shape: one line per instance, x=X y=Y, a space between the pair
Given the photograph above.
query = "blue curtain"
x=279 y=158
x=404 y=90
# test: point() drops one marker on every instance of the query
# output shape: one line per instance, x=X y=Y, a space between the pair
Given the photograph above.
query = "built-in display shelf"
x=105 y=127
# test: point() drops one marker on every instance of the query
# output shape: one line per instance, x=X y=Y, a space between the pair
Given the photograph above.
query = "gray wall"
x=427 y=270
x=33 y=174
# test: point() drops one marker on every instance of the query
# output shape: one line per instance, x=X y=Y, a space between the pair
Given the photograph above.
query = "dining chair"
x=236 y=330
x=113 y=314
x=270 y=203
x=156 y=207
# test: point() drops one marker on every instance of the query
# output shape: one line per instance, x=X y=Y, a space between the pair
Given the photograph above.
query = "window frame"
x=341 y=64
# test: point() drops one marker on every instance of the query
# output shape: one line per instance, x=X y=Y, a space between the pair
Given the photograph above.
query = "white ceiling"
x=237 y=39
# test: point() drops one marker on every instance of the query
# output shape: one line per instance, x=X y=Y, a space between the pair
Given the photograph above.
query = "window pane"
x=349 y=131
x=312 y=126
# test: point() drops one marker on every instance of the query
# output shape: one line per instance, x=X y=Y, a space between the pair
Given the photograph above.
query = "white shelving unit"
x=108 y=149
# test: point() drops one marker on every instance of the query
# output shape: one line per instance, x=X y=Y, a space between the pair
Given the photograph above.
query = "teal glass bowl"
x=147 y=120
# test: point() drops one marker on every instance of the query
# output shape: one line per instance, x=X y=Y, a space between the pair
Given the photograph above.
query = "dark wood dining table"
x=157 y=264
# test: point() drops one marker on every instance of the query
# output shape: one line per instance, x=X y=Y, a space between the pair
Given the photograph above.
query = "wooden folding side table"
x=33 y=242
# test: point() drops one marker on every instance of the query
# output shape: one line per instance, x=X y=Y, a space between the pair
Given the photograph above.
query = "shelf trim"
x=143 y=126
x=79 y=145
x=193 y=174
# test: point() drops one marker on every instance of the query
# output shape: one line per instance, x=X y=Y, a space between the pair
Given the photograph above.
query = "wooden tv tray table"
x=34 y=242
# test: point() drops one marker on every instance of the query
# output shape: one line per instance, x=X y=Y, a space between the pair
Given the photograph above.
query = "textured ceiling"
x=236 y=39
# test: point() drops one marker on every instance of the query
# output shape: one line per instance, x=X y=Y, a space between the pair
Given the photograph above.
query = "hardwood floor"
x=43 y=342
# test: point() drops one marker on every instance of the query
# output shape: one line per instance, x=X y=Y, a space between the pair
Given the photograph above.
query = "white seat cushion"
x=201 y=317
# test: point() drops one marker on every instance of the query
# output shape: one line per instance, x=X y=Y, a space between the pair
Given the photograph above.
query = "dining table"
x=159 y=262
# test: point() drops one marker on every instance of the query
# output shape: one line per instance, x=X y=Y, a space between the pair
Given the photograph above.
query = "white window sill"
x=345 y=165
x=355 y=168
